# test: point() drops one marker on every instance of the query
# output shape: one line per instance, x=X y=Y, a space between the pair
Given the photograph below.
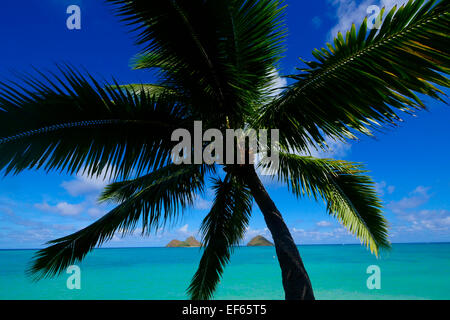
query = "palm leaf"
x=219 y=53
x=222 y=229
x=74 y=123
x=350 y=194
x=149 y=89
x=365 y=79
x=154 y=199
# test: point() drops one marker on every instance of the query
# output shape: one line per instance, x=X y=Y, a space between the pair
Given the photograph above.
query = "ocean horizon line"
x=310 y=244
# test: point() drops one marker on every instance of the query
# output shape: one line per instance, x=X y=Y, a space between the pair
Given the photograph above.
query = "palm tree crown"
x=216 y=61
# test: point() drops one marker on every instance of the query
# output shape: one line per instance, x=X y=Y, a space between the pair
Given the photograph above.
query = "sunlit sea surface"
x=408 y=271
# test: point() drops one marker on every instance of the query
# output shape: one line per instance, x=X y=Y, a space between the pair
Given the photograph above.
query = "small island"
x=259 y=241
x=189 y=242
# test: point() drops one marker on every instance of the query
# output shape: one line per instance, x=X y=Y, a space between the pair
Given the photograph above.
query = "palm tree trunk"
x=296 y=283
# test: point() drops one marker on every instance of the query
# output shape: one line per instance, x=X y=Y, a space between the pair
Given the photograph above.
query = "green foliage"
x=364 y=80
x=75 y=124
x=153 y=199
x=349 y=194
x=149 y=89
x=216 y=61
x=220 y=54
x=222 y=229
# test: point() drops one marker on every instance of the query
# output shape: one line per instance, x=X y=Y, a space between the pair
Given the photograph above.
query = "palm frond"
x=349 y=194
x=220 y=53
x=222 y=229
x=150 y=60
x=155 y=199
x=148 y=88
x=72 y=123
x=367 y=79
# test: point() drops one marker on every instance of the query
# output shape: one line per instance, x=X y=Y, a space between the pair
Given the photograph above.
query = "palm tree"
x=216 y=62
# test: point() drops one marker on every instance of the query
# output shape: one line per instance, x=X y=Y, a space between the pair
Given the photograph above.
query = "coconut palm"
x=216 y=62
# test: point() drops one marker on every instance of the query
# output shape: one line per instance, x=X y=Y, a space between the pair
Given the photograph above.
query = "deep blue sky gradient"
x=409 y=163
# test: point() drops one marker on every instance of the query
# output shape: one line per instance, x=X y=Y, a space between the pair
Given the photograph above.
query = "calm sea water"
x=408 y=271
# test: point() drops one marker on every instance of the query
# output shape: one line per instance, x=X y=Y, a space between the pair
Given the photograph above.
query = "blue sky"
x=409 y=163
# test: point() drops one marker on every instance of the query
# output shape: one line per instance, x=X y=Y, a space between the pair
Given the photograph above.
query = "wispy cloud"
x=335 y=149
x=61 y=208
x=324 y=224
x=413 y=220
x=435 y=221
x=7 y=214
x=352 y=11
x=308 y=236
x=251 y=233
x=382 y=188
x=278 y=84
x=184 y=229
x=95 y=212
x=85 y=185
x=24 y=230
x=415 y=199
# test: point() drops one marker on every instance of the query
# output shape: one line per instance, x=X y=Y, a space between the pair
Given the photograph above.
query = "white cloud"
x=382 y=187
x=323 y=224
x=416 y=198
x=351 y=11
x=390 y=189
x=416 y=222
x=82 y=185
x=184 y=229
x=62 y=208
x=379 y=187
x=251 y=233
x=315 y=236
x=426 y=220
x=95 y=212
x=278 y=84
x=333 y=149
x=336 y=149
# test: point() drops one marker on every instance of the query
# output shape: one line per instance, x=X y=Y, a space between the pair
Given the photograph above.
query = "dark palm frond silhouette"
x=216 y=62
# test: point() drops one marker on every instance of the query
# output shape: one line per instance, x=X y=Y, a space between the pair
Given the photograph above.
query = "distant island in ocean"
x=189 y=242
x=259 y=241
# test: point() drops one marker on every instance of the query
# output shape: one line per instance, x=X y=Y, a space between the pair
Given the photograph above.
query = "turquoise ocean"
x=407 y=271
